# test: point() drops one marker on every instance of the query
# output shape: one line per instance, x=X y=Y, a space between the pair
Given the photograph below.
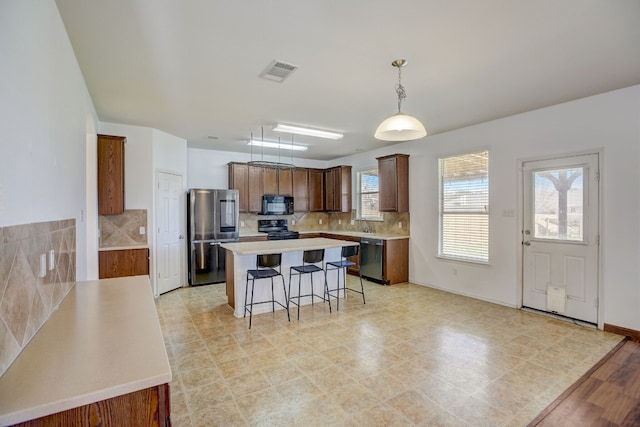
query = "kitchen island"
x=100 y=359
x=242 y=257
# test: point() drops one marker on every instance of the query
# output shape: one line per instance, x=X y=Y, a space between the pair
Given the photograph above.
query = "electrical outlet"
x=353 y=222
x=52 y=260
x=142 y=230
x=339 y=222
x=293 y=222
x=320 y=221
x=399 y=224
x=241 y=223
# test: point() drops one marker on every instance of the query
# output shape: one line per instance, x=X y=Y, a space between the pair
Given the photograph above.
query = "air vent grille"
x=278 y=71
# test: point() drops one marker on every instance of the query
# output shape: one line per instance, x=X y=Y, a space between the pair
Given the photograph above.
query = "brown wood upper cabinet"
x=110 y=174
x=313 y=190
x=393 y=181
x=316 y=190
x=239 y=180
x=255 y=189
x=337 y=184
x=301 y=190
x=269 y=181
x=285 y=182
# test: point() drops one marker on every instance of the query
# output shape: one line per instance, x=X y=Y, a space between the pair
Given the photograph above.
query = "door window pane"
x=559 y=204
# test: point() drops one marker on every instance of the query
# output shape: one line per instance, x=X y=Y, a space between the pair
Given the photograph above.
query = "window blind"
x=464 y=207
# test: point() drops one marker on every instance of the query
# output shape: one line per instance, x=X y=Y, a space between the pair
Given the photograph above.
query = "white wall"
x=609 y=121
x=208 y=168
x=46 y=115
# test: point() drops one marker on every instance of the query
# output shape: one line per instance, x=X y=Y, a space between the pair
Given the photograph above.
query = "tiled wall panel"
x=27 y=299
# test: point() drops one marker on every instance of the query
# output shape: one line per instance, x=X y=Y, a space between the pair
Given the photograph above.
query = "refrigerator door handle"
x=214 y=243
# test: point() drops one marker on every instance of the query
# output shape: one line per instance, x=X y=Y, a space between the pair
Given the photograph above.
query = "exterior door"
x=170 y=238
x=560 y=237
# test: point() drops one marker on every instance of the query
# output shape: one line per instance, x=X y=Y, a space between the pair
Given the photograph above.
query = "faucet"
x=367 y=227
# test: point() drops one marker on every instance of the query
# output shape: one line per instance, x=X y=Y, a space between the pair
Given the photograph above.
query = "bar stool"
x=310 y=259
x=347 y=252
x=265 y=269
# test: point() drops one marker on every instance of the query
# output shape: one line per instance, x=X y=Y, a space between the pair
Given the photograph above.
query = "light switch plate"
x=52 y=260
x=43 y=265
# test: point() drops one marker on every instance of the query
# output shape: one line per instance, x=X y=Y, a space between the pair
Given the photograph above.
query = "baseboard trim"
x=631 y=333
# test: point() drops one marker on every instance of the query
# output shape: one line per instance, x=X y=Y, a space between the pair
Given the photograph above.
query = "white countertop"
x=361 y=234
x=277 y=246
x=336 y=232
x=103 y=341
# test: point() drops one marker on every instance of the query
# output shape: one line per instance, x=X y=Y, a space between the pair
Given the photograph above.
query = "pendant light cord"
x=402 y=95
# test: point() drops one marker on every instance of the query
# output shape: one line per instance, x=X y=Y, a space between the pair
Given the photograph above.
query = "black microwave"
x=277 y=205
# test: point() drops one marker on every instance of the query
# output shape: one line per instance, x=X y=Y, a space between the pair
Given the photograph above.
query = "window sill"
x=464 y=261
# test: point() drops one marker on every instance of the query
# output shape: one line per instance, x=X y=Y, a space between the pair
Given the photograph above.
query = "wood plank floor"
x=607 y=395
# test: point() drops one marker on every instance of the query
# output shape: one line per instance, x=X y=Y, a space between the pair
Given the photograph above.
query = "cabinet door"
x=316 y=190
x=395 y=261
x=269 y=181
x=110 y=174
x=239 y=180
x=301 y=190
x=123 y=263
x=388 y=184
x=330 y=188
x=255 y=189
x=285 y=182
x=393 y=173
x=343 y=189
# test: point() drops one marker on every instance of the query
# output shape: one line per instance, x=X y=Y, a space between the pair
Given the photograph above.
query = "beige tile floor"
x=412 y=356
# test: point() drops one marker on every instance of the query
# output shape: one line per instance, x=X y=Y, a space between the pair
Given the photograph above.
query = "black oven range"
x=277 y=229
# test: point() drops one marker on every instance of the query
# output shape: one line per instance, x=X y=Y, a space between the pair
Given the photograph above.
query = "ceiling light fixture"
x=299 y=130
x=266 y=163
x=270 y=144
x=400 y=126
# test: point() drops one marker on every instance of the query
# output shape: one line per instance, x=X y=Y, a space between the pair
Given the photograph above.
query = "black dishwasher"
x=371 y=259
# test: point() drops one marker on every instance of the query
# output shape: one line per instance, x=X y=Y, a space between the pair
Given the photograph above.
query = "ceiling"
x=192 y=67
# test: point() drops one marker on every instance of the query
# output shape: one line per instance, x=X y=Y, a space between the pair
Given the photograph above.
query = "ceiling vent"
x=278 y=71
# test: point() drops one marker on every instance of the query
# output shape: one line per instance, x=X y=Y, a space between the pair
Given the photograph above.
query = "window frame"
x=484 y=257
x=359 y=194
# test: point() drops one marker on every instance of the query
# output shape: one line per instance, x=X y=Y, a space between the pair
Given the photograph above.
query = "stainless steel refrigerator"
x=213 y=219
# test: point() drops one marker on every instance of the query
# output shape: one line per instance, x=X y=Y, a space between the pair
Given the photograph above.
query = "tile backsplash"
x=27 y=299
x=123 y=229
x=393 y=223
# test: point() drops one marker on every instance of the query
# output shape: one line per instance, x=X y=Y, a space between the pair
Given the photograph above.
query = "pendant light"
x=400 y=126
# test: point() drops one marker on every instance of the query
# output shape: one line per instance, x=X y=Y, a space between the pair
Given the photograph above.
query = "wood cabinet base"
x=148 y=407
x=123 y=262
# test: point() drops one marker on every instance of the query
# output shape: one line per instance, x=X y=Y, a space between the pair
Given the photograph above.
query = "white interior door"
x=170 y=238
x=560 y=237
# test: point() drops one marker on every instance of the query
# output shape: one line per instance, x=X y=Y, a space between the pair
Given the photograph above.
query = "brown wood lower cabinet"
x=395 y=261
x=123 y=262
x=147 y=407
